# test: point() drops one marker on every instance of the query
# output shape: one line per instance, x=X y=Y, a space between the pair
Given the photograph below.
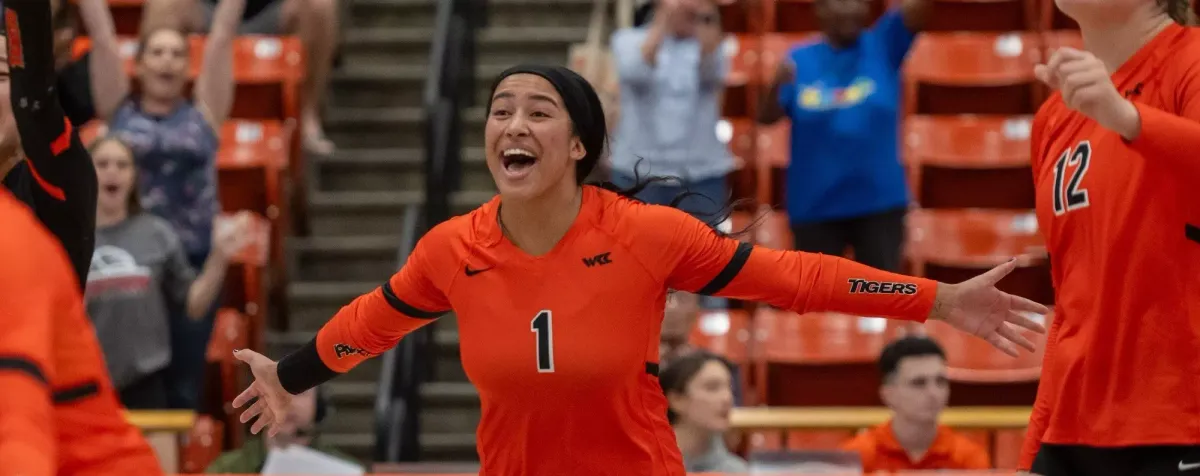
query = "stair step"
x=353 y=393
x=456 y=394
x=343 y=258
x=360 y=445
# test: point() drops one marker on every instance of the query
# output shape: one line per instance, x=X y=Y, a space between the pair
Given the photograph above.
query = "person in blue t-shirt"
x=845 y=184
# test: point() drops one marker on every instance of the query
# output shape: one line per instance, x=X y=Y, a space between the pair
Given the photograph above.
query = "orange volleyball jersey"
x=881 y=452
x=58 y=411
x=563 y=347
x=1120 y=221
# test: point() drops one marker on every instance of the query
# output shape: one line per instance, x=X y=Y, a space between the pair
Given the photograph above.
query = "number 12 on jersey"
x=1068 y=195
x=543 y=326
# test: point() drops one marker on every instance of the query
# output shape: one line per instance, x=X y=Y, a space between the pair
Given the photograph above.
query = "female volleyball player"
x=58 y=411
x=559 y=290
x=1116 y=160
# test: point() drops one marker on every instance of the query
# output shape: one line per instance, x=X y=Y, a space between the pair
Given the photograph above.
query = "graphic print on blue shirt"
x=844 y=107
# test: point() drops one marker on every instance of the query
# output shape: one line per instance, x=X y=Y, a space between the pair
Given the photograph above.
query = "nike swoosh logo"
x=1188 y=467
x=473 y=272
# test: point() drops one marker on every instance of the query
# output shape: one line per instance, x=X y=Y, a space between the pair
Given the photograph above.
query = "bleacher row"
x=258 y=168
x=968 y=98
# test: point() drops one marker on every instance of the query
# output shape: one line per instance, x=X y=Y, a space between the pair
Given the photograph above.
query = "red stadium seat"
x=740 y=17
x=739 y=135
x=231 y=331
x=972 y=73
x=268 y=71
x=202 y=445
x=970 y=161
x=955 y=245
x=774 y=153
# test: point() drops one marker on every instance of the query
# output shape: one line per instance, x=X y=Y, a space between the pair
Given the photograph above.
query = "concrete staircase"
x=357 y=195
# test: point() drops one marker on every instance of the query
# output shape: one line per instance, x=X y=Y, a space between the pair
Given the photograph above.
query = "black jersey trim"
x=1192 y=232
x=406 y=308
x=75 y=393
x=23 y=365
x=303 y=369
x=652 y=368
x=730 y=271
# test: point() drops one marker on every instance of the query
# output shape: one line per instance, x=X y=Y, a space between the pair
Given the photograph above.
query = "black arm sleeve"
x=64 y=188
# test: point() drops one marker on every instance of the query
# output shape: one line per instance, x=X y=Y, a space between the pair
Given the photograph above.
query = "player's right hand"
x=271 y=401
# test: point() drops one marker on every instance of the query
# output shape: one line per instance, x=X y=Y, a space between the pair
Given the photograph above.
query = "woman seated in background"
x=700 y=398
x=140 y=275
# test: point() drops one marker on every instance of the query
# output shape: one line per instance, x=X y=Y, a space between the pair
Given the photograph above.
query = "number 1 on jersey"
x=543 y=326
x=1069 y=196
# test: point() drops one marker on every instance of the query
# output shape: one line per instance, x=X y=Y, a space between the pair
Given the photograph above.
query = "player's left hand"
x=1087 y=87
x=976 y=307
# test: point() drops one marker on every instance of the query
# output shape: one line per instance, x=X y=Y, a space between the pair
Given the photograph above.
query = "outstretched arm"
x=695 y=258
x=65 y=192
x=369 y=325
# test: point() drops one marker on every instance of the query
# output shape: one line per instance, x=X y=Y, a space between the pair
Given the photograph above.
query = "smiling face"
x=162 y=64
x=531 y=145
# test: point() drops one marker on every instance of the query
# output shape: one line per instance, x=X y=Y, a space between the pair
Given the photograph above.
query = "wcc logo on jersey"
x=343 y=350
x=598 y=260
x=863 y=286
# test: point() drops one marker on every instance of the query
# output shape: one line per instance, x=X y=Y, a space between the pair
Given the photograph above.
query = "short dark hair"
x=903 y=348
x=1179 y=10
x=676 y=376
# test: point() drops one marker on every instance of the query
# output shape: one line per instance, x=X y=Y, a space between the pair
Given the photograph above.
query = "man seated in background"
x=314 y=21
x=916 y=389
x=300 y=428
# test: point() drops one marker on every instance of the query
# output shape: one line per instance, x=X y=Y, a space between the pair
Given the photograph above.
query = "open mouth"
x=110 y=188
x=518 y=160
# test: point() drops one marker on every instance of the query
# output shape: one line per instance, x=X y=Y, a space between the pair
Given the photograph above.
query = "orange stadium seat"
x=245 y=282
x=972 y=73
x=773 y=143
x=223 y=381
x=745 y=71
x=819 y=359
x=740 y=17
x=726 y=333
x=970 y=359
x=954 y=245
x=202 y=445
x=772 y=230
x=268 y=71
x=970 y=161
x=739 y=135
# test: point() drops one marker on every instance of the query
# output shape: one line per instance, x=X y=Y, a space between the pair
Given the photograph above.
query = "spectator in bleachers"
x=299 y=427
x=139 y=274
x=314 y=21
x=174 y=140
x=671 y=74
x=845 y=184
x=93 y=85
x=915 y=388
x=679 y=319
x=700 y=399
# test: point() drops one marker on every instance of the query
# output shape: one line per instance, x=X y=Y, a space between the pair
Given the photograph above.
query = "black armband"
x=303 y=369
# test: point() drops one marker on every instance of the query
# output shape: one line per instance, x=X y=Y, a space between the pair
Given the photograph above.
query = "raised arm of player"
x=1158 y=135
x=695 y=258
x=65 y=195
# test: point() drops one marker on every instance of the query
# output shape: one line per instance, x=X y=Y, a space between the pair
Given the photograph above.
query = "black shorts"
x=1075 y=460
x=877 y=238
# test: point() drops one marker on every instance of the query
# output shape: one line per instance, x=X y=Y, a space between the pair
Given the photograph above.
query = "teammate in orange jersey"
x=559 y=290
x=1116 y=160
x=59 y=414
